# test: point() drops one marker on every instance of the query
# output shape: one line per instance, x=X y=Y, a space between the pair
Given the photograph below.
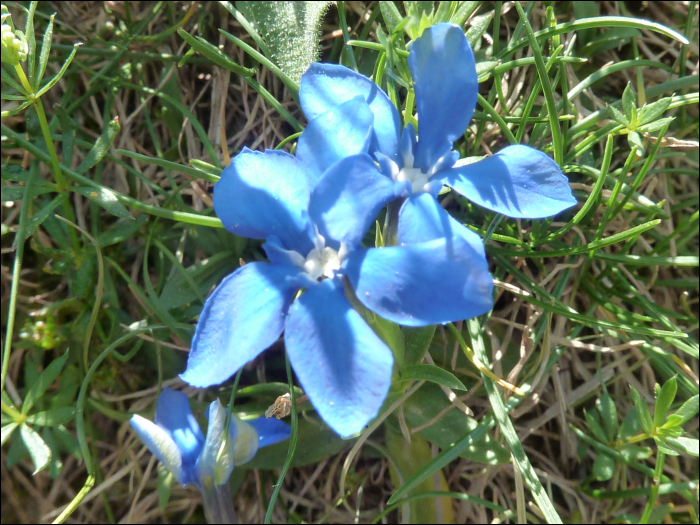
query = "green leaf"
x=443 y=12
x=672 y=421
x=688 y=409
x=417 y=341
x=664 y=398
x=595 y=427
x=52 y=417
x=196 y=173
x=16 y=193
x=316 y=441
x=659 y=514
x=684 y=444
x=68 y=129
x=391 y=15
x=165 y=485
x=51 y=83
x=44 y=381
x=478 y=27
x=291 y=31
x=484 y=68
x=463 y=12
x=431 y=373
x=635 y=140
x=629 y=105
x=38 y=450
x=44 y=54
x=214 y=54
x=7 y=431
x=635 y=452
x=121 y=230
x=608 y=413
x=105 y=198
x=451 y=427
x=618 y=117
x=101 y=146
x=603 y=467
x=207 y=272
x=292 y=86
x=650 y=112
x=665 y=448
x=642 y=411
x=655 y=126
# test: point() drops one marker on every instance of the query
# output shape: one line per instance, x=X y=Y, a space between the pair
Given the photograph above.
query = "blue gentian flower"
x=177 y=441
x=519 y=181
x=343 y=366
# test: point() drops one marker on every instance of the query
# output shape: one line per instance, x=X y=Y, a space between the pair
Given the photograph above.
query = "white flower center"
x=322 y=261
x=415 y=176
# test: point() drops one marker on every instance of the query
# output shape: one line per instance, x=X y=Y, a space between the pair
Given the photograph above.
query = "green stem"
x=292 y=442
x=16 y=270
x=55 y=165
x=391 y=223
x=13 y=413
x=658 y=472
x=216 y=499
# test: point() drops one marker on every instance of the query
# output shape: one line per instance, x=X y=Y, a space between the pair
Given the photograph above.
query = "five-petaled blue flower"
x=343 y=366
x=177 y=441
x=519 y=181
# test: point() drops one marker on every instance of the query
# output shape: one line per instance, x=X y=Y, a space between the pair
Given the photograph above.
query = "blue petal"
x=173 y=415
x=518 y=181
x=270 y=431
x=341 y=363
x=263 y=194
x=324 y=86
x=340 y=132
x=422 y=219
x=347 y=199
x=243 y=316
x=444 y=73
x=432 y=282
x=162 y=446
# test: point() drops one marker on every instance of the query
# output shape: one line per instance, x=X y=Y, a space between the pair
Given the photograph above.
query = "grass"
x=110 y=245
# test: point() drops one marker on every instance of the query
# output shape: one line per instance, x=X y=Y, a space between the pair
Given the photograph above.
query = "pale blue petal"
x=432 y=282
x=345 y=202
x=422 y=219
x=324 y=86
x=444 y=74
x=162 y=446
x=262 y=194
x=407 y=145
x=342 y=365
x=214 y=462
x=246 y=443
x=173 y=414
x=243 y=317
x=518 y=181
x=340 y=132
x=270 y=431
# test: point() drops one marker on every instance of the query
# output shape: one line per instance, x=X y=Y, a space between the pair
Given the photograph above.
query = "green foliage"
x=290 y=30
x=613 y=269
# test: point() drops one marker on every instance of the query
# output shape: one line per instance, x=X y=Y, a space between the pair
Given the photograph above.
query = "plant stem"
x=658 y=472
x=391 y=223
x=55 y=164
x=216 y=499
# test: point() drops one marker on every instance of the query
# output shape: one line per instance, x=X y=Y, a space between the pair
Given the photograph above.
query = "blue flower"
x=519 y=181
x=343 y=366
x=177 y=441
